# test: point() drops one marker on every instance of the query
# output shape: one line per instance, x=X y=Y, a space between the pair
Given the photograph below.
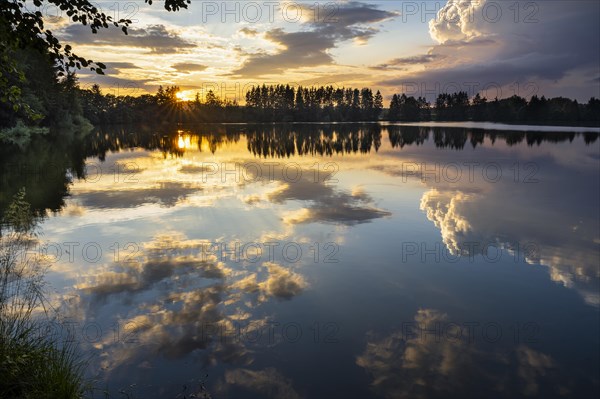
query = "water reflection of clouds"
x=175 y=297
x=435 y=365
x=166 y=194
x=202 y=180
x=267 y=383
x=563 y=242
x=325 y=202
x=556 y=214
x=418 y=367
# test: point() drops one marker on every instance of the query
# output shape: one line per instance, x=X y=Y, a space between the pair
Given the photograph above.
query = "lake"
x=324 y=260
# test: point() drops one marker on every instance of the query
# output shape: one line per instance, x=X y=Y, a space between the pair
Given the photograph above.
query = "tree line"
x=275 y=103
x=284 y=103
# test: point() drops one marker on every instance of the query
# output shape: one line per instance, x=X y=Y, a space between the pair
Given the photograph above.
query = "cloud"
x=334 y=79
x=177 y=333
x=180 y=318
x=326 y=205
x=422 y=366
x=179 y=295
x=157 y=38
x=195 y=325
x=533 y=365
x=195 y=169
x=411 y=60
x=310 y=47
x=282 y=283
x=299 y=49
x=120 y=65
x=113 y=84
x=188 y=67
x=444 y=210
x=166 y=194
x=417 y=363
x=351 y=20
x=467 y=218
x=456 y=21
x=267 y=383
x=338 y=209
x=179 y=300
x=554 y=234
x=164 y=258
x=249 y=32
x=248 y=284
x=525 y=68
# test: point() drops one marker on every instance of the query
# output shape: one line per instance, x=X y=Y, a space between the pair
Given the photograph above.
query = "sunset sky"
x=421 y=48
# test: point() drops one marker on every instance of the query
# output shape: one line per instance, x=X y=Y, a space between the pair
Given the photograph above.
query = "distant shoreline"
x=503 y=126
x=449 y=124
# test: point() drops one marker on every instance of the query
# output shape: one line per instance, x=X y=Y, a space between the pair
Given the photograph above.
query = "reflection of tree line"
x=455 y=138
x=47 y=168
x=166 y=140
x=310 y=139
x=324 y=140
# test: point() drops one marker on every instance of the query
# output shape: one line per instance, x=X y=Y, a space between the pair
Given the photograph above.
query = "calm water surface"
x=305 y=261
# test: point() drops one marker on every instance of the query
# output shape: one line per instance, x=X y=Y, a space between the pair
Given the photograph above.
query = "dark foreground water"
x=324 y=261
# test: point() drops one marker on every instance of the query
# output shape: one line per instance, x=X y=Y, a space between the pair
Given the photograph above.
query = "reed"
x=32 y=364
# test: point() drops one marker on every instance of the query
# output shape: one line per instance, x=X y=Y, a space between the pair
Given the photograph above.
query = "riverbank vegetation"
x=33 y=364
x=39 y=93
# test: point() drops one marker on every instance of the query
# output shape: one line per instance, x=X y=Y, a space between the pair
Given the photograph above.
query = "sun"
x=181 y=96
x=185 y=95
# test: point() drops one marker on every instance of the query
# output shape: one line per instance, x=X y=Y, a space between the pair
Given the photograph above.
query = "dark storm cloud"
x=157 y=38
x=562 y=42
x=501 y=72
x=477 y=41
x=309 y=48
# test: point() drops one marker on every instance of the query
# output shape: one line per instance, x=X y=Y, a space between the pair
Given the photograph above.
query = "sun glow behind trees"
x=185 y=95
